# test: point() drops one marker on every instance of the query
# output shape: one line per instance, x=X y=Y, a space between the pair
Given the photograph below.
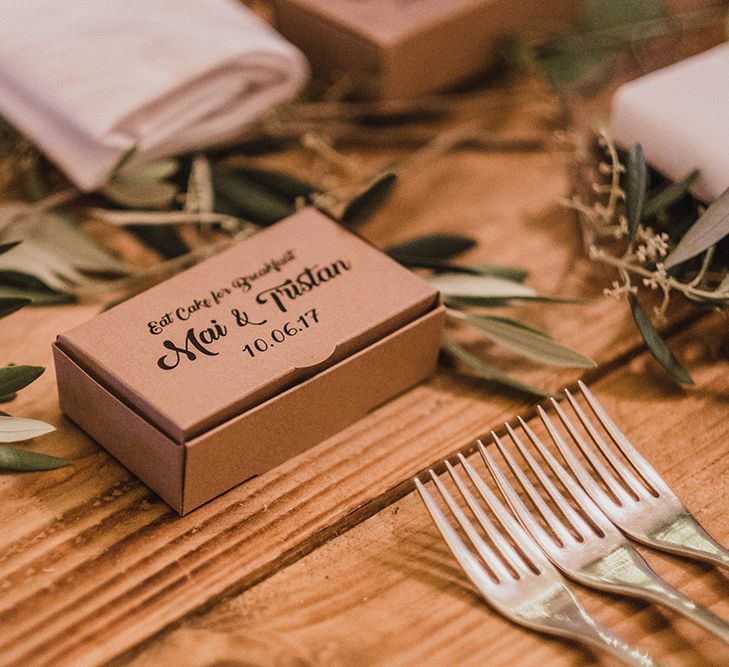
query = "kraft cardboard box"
x=248 y=358
x=411 y=47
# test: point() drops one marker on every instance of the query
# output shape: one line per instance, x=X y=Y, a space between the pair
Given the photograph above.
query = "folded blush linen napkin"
x=89 y=81
x=679 y=115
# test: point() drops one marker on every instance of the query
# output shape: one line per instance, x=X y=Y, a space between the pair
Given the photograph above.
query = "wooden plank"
x=92 y=563
x=388 y=592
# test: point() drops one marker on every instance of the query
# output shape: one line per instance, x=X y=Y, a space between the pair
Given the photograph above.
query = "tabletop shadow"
x=423 y=554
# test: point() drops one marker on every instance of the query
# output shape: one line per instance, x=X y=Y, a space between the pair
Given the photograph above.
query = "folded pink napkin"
x=679 y=115
x=89 y=81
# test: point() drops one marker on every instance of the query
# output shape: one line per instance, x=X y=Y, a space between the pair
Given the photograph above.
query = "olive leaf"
x=501 y=271
x=709 y=229
x=489 y=372
x=481 y=269
x=18 y=286
x=586 y=60
x=9 y=305
x=61 y=236
x=670 y=195
x=515 y=323
x=656 y=344
x=635 y=187
x=438 y=265
x=467 y=286
x=55 y=253
x=520 y=339
x=17 y=429
x=281 y=182
x=431 y=246
x=49 y=269
x=499 y=302
x=577 y=65
x=4 y=247
x=14 y=378
x=144 y=186
x=249 y=199
x=12 y=458
x=477 y=302
x=601 y=15
x=164 y=240
x=370 y=199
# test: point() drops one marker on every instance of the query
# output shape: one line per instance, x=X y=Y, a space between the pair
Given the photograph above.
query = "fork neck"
x=720 y=557
x=685 y=536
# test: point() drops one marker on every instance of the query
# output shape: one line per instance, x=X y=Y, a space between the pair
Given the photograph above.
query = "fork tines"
x=580 y=538
x=575 y=525
x=516 y=579
x=637 y=500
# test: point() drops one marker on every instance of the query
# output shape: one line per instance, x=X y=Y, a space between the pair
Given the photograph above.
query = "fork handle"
x=572 y=620
x=604 y=640
x=657 y=590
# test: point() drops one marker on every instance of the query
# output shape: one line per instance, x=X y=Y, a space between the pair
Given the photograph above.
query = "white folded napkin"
x=91 y=80
x=679 y=115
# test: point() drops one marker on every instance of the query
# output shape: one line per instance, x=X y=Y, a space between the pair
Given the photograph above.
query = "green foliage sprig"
x=584 y=56
x=660 y=241
x=16 y=429
x=469 y=291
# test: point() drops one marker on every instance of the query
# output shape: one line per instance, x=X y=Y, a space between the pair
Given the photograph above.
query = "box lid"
x=387 y=22
x=244 y=325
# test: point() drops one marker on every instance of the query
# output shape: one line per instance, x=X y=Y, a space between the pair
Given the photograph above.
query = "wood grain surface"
x=389 y=591
x=329 y=559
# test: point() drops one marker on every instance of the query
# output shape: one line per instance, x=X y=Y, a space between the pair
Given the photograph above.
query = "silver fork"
x=524 y=587
x=588 y=548
x=648 y=511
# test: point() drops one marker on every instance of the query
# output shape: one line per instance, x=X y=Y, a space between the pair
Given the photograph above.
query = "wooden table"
x=331 y=559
